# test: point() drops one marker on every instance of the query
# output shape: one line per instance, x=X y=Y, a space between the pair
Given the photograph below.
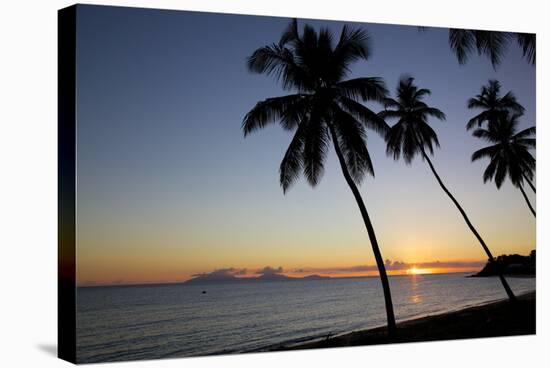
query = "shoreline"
x=490 y=319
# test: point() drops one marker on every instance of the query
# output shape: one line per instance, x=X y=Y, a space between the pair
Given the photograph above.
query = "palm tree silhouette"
x=412 y=135
x=325 y=108
x=493 y=105
x=508 y=153
x=492 y=44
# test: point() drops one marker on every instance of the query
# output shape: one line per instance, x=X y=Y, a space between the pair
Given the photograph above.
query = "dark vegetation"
x=513 y=265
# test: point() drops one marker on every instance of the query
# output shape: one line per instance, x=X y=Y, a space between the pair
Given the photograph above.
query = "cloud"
x=223 y=272
x=268 y=270
x=392 y=266
x=455 y=264
x=232 y=272
x=396 y=265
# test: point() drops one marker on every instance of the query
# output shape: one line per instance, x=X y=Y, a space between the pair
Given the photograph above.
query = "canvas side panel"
x=66 y=297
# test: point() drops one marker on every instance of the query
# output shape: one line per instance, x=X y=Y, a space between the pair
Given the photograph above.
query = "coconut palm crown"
x=492 y=104
x=411 y=132
x=508 y=153
x=322 y=102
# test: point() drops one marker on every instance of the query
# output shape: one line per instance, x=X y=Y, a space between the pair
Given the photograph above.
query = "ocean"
x=176 y=320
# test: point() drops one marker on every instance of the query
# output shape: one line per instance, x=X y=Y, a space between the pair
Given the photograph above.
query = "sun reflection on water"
x=416 y=297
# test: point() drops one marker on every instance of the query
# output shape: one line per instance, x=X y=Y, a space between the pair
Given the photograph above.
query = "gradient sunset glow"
x=168 y=188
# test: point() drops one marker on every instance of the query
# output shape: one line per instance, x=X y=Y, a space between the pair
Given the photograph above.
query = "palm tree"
x=323 y=108
x=508 y=153
x=493 y=105
x=492 y=44
x=412 y=135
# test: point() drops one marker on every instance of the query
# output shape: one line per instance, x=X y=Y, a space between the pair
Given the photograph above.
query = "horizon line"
x=182 y=282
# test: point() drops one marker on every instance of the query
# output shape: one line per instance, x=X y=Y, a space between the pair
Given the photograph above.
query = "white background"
x=28 y=181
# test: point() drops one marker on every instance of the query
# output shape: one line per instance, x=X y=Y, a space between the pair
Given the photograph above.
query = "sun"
x=415 y=271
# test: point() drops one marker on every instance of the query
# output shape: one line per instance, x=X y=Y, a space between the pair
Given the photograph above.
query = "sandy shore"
x=489 y=320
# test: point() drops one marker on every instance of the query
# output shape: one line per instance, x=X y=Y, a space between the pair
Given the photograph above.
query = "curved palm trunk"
x=527 y=200
x=372 y=236
x=511 y=295
x=529 y=182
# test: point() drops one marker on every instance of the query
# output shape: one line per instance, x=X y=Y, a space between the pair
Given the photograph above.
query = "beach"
x=500 y=318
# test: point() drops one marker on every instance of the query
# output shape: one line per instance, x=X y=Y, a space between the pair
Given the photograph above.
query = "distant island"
x=229 y=278
x=511 y=265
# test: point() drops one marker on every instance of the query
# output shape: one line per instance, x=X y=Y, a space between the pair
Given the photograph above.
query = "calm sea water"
x=159 y=321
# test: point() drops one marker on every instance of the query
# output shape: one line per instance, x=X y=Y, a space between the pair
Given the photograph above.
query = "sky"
x=168 y=187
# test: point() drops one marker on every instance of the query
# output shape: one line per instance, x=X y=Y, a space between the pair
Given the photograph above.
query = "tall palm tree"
x=492 y=44
x=323 y=109
x=508 y=153
x=412 y=135
x=492 y=104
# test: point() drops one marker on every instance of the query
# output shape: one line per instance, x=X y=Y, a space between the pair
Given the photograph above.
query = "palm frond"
x=286 y=109
x=427 y=136
x=421 y=93
x=366 y=89
x=462 y=42
x=366 y=116
x=492 y=44
x=315 y=149
x=477 y=120
x=351 y=138
x=528 y=43
x=292 y=162
x=477 y=103
x=279 y=62
x=489 y=151
x=401 y=141
x=290 y=34
x=354 y=44
x=509 y=102
x=432 y=111
x=531 y=131
x=485 y=135
x=526 y=142
x=489 y=172
x=501 y=171
x=390 y=114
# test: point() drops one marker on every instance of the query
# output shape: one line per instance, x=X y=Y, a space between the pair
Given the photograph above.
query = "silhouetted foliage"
x=508 y=152
x=492 y=44
x=528 y=44
x=324 y=108
x=412 y=135
x=492 y=104
x=513 y=264
x=315 y=68
x=412 y=131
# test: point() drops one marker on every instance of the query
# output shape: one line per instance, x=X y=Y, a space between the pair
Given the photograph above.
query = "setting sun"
x=417 y=271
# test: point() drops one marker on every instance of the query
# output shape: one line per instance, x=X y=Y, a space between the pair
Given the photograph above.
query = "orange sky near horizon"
x=102 y=272
x=104 y=280
x=317 y=229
